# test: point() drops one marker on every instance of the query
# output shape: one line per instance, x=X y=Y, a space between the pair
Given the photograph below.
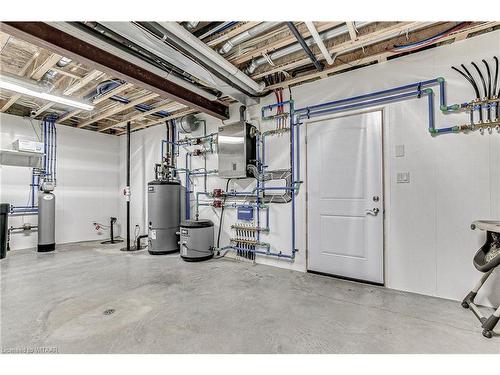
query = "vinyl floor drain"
x=109 y=311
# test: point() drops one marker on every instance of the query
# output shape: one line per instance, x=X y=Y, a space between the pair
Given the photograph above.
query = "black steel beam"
x=57 y=41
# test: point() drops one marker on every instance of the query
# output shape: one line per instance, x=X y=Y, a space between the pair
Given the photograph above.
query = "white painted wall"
x=455 y=179
x=87 y=181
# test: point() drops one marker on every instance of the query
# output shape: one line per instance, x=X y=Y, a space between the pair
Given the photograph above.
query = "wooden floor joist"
x=37 y=74
x=377 y=57
x=165 y=107
x=118 y=108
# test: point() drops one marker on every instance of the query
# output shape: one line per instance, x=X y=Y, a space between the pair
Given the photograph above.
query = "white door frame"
x=307 y=122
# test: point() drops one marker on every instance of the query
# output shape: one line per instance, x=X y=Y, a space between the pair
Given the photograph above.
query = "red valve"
x=217 y=193
x=217 y=203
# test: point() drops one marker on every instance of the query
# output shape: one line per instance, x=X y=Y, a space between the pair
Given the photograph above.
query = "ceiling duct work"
x=152 y=43
x=247 y=35
x=81 y=32
x=338 y=31
x=190 y=25
x=188 y=124
x=199 y=50
x=254 y=64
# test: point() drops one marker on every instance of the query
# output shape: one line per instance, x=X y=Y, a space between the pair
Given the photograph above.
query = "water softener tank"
x=46 y=221
x=197 y=240
x=164 y=211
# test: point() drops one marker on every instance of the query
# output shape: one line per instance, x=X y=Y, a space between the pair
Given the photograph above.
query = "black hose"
x=222 y=212
x=473 y=84
x=496 y=78
x=495 y=86
x=489 y=86
x=478 y=94
x=489 y=77
x=482 y=78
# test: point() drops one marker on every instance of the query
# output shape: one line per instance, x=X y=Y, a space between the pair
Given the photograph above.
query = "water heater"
x=164 y=213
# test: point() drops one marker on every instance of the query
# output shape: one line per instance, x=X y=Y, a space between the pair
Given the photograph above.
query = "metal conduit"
x=247 y=35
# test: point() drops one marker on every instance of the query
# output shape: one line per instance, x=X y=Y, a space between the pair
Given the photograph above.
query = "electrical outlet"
x=403 y=177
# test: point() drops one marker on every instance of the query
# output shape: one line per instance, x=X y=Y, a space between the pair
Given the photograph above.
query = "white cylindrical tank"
x=164 y=213
x=46 y=221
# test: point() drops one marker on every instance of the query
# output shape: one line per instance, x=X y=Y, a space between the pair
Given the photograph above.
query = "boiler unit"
x=236 y=149
x=197 y=240
x=46 y=218
x=164 y=212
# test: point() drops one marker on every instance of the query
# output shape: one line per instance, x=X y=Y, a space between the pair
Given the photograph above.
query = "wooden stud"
x=164 y=107
x=46 y=66
x=14 y=98
x=118 y=108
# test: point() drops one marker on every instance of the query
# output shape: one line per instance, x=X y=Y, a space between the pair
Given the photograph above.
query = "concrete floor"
x=164 y=305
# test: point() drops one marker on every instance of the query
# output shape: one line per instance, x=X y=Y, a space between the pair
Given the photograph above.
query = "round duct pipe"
x=188 y=124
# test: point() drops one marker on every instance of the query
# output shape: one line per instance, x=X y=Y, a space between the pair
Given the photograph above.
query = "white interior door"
x=344 y=196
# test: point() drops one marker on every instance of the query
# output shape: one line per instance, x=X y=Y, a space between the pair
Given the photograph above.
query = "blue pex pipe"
x=416 y=85
x=308 y=113
x=368 y=103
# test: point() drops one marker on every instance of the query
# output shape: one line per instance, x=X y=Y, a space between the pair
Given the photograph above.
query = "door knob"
x=373 y=211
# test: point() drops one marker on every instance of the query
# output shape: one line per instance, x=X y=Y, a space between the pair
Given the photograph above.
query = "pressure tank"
x=46 y=221
x=164 y=212
x=197 y=240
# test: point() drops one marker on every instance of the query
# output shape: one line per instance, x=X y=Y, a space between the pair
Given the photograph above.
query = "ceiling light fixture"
x=25 y=87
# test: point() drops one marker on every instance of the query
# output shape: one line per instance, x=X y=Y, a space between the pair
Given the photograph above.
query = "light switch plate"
x=403 y=177
x=400 y=151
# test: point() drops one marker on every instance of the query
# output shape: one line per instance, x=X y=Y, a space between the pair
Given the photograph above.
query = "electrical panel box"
x=245 y=213
x=236 y=149
x=26 y=145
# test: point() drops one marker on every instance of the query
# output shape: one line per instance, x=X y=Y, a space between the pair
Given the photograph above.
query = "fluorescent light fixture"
x=25 y=87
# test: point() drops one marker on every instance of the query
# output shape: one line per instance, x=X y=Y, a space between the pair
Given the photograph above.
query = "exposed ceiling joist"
x=53 y=39
x=71 y=89
x=118 y=108
x=377 y=57
x=98 y=100
x=14 y=98
x=360 y=42
x=46 y=66
x=37 y=74
x=82 y=82
x=165 y=107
